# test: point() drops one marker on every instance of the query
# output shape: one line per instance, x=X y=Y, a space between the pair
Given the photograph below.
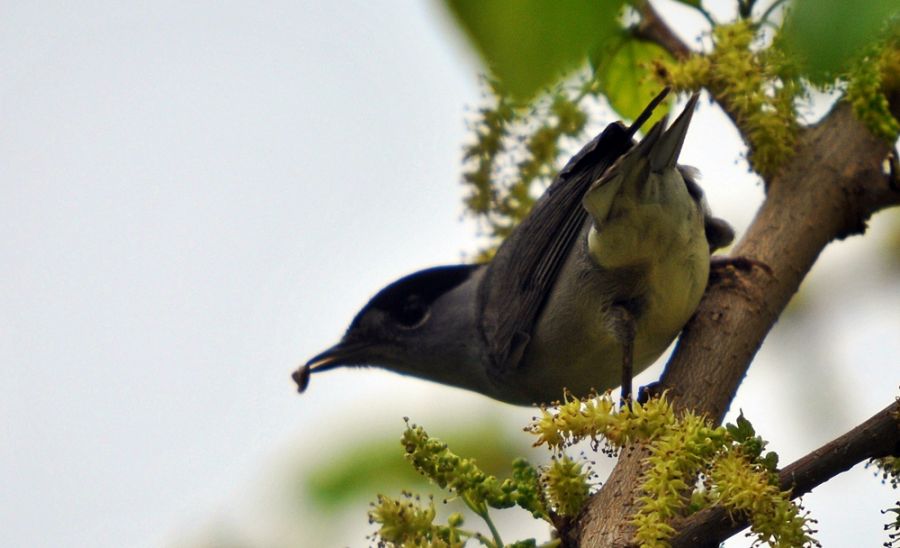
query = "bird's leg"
x=623 y=327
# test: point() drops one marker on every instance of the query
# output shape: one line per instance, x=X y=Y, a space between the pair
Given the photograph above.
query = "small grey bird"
x=592 y=286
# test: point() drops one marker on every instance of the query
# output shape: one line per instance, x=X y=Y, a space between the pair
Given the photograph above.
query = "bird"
x=589 y=289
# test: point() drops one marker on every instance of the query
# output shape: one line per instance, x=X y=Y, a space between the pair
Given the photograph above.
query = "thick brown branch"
x=827 y=191
x=877 y=437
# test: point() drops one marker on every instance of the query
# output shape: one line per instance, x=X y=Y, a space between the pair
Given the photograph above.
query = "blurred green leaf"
x=359 y=472
x=624 y=73
x=528 y=44
x=825 y=34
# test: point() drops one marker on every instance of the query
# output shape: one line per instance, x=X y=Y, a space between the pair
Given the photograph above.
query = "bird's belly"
x=573 y=346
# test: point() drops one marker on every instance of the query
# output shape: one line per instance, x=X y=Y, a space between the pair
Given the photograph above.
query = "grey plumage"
x=603 y=273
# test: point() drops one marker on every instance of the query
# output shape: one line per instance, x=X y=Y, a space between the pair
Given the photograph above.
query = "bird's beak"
x=335 y=356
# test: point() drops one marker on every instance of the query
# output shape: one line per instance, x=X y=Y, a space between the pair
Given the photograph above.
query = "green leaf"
x=743 y=431
x=745 y=428
x=624 y=74
x=825 y=34
x=529 y=44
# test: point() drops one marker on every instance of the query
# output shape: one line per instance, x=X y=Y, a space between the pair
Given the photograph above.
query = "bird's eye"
x=412 y=314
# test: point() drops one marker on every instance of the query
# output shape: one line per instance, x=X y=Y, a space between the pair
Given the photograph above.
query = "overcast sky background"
x=197 y=197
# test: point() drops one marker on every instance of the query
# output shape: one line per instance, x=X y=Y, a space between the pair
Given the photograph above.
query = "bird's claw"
x=649 y=391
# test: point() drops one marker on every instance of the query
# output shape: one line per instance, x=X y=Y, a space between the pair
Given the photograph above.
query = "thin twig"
x=706 y=15
x=765 y=16
x=654 y=29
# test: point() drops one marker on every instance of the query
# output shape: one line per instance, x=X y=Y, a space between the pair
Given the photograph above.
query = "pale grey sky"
x=197 y=196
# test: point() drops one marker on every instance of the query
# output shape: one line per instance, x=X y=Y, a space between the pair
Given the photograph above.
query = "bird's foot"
x=649 y=391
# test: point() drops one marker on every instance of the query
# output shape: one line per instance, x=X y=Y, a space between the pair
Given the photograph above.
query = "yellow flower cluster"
x=433 y=459
x=556 y=492
x=677 y=458
x=597 y=419
x=889 y=470
x=760 y=88
x=743 y=486
x=567 y=486
x=691 y=464
x=408 y=524
x=876 y=72
x=512 y=155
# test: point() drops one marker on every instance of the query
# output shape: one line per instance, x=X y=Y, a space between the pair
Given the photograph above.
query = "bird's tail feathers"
x=665 y=153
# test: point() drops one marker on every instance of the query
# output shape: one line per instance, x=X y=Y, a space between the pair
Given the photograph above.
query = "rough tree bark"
x=827 y=191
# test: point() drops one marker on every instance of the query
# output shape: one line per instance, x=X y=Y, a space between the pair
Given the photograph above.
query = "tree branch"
x=827 y=191
x=653 y=29
x=877 y=437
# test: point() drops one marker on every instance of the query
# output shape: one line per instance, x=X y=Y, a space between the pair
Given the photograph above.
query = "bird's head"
x=400 y=327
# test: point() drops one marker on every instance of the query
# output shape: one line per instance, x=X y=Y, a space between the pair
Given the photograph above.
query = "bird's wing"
x=521 y=276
